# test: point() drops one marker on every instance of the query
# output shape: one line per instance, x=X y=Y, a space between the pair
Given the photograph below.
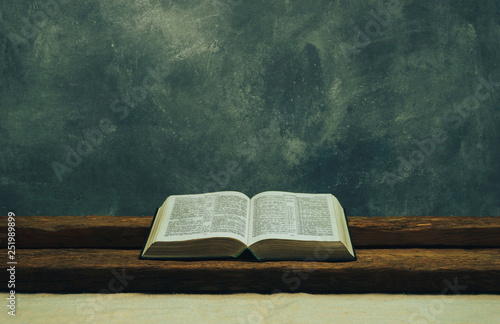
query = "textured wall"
x=108 y=107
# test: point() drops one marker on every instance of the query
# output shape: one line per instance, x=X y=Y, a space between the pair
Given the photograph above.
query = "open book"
x=273 y=225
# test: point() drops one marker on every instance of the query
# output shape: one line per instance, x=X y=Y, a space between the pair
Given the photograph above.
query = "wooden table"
x=421 y=254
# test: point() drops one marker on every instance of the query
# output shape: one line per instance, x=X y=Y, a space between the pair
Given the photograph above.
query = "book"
x=273 y=225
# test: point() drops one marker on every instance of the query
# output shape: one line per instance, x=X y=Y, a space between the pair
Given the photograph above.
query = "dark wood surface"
x=395 y=254
x=130 y=232
x=377 y=270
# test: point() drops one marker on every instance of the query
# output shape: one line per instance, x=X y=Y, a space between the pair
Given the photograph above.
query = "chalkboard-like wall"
x=108 y=107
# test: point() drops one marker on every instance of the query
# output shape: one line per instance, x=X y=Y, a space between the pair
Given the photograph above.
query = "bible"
x=273 y=225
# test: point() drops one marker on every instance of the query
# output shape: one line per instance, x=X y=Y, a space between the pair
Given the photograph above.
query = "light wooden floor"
x=253 y=308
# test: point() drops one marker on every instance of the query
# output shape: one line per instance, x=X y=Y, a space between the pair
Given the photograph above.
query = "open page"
x=220 y=214
x=285 y=215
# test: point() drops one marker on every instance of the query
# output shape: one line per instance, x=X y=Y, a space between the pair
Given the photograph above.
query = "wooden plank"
x=130 y=232
x=377 y=270
x=80 y=231
x=425 y=231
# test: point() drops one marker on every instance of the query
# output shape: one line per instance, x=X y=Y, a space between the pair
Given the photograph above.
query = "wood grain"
x=377 y=270
x=130 y=232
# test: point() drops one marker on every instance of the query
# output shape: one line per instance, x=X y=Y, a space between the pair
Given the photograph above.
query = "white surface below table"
x=252 y=308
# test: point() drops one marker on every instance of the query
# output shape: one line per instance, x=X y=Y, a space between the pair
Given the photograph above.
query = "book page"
x=220 y=214
x=285 y=215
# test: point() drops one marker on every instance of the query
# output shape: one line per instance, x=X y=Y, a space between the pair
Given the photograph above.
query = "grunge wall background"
x=108 y=107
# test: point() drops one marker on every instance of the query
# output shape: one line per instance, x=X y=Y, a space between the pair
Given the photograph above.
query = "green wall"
x=108 y=107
